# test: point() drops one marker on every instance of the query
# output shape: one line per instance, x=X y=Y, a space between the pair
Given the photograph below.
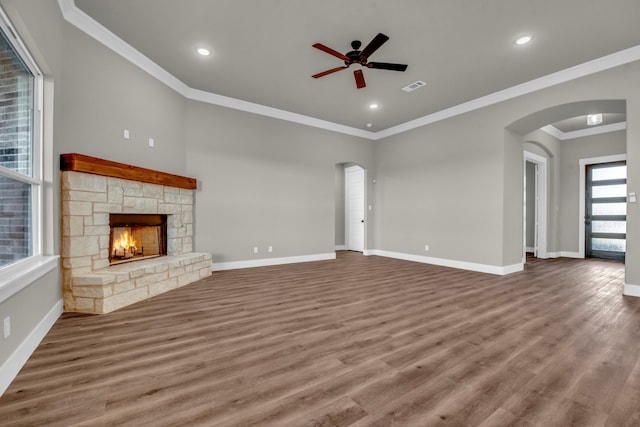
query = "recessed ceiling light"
x=373 y=106
x=525 y=39
x=594 y=119
x=203 y=51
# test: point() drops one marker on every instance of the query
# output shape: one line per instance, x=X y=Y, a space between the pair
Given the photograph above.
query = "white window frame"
x=15 y=276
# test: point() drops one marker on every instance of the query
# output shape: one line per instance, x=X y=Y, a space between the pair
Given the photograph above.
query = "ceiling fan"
x=359 y=57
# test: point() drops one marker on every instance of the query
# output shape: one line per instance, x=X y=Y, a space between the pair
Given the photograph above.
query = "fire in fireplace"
x=136 y=236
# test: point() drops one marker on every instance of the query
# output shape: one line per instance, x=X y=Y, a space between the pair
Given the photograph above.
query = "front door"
x=606 y=210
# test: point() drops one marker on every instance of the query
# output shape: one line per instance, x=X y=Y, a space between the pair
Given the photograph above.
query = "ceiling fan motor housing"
x=355 y=58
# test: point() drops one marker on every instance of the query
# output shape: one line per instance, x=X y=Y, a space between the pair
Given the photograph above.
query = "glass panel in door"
x=606 y=210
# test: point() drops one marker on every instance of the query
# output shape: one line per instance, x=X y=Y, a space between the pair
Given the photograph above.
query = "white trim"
x=20 y=177
x=90 y=26
x=582 y=187
x=553 y=131
x=563 y=254
x=232 y=265
x=614 y=127
x=35 y=181
x=631 y=290
x=85 y=23
x=341 y=248
x=600 y=64
x=250 y=107
x=567 y=254
x=11 y=367
x=462 y=265
x=21 y=274
x=542 y=211
x=598 y=130
x=529 y=249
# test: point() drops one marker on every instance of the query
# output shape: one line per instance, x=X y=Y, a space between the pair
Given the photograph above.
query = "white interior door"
x=354 y=208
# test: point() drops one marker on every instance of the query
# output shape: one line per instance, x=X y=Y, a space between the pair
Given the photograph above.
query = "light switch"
x=632 y=197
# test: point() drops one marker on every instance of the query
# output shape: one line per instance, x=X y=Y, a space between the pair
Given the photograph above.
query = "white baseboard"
x=341 y=247
x=530 y=249
x=563 y=254
x=482 y=268
x=264 y=262
x=631 y=290
x=10 y=368
x=566 y=254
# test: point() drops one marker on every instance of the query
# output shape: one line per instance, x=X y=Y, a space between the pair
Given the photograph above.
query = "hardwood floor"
x=360 y=341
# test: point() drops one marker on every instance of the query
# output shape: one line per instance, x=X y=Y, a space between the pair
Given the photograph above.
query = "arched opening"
x=559 y=140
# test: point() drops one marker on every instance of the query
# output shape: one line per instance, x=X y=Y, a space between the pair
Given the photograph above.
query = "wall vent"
x=413 y=86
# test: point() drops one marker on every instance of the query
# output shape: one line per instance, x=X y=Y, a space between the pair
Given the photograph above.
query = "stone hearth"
x=91 y=190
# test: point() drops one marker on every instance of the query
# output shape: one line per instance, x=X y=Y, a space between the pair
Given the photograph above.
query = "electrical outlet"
x=270 y=248
x=426 y=247
x=126 y=134
x=7 y=327
x=255 y=249
x=151 y=142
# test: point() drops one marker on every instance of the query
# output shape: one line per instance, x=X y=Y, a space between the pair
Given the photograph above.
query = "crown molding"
x=597 y=130
x=553 y=131
x=88 y=25
x=250 y=107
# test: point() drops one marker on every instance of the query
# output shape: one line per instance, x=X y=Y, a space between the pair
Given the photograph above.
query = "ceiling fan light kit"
x=360 y=57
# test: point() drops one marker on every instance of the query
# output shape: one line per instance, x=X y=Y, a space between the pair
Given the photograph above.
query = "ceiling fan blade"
x=359 y=79
x=377 y=41
x=330 y=51
x=387 y=66
x=324 y=73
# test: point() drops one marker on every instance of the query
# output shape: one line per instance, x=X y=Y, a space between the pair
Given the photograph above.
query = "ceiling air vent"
x=413 y=86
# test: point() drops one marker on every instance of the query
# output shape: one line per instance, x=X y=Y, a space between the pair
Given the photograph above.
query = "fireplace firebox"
x=135 y=237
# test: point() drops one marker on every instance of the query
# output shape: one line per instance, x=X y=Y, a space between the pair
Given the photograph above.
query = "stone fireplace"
x=101 y=202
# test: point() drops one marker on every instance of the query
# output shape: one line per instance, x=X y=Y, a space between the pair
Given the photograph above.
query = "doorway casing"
x=540 y=231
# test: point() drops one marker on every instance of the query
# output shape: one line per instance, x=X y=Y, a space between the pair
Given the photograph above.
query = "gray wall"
x=265 y=182
x=26 y=309
x=441 y=185
x=457 y=184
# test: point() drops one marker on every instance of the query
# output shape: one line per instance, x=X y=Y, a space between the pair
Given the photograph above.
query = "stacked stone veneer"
x=90 y=284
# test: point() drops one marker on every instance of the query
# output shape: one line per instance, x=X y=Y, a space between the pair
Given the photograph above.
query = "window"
x=20 y=150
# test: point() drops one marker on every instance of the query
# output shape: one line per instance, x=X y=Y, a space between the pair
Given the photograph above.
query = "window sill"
x=22 y=274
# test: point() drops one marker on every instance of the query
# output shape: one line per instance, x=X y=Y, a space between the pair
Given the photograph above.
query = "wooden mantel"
x=87 y=164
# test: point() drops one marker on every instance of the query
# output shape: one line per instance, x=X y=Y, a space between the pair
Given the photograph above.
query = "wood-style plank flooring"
x=360 y=341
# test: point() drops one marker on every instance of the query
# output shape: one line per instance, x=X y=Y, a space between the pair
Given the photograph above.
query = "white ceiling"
x=463 y=49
